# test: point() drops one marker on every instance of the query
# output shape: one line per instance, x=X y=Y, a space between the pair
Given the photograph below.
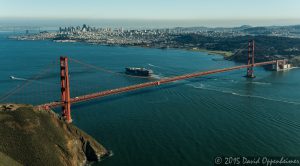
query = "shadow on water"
x=129 y=94
x=56 y=74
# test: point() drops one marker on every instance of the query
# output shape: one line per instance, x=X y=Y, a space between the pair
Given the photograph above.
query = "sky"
x=205 y=10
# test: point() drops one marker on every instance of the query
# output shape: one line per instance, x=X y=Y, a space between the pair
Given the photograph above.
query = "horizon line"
x=148 y=23
x=146 y=19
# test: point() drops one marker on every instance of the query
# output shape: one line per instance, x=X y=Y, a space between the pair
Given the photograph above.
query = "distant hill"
x=258 y=30
x=32 y=137
x=267 y=47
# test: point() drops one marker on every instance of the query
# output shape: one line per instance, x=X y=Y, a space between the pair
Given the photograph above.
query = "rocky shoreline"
x=33 y=137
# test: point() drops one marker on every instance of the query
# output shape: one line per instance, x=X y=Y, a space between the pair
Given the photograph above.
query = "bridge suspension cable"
x=149 y=84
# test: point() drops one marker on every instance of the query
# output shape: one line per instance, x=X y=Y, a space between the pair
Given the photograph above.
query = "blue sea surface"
x=186 y=123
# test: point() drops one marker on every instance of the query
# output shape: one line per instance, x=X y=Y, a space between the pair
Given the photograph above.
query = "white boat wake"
x=211 y=88
x=17 y=78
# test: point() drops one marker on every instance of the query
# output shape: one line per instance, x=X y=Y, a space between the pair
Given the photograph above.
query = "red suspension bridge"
x=66 y=100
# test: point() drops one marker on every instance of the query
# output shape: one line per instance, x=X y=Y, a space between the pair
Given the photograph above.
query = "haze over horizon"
x=142 y=13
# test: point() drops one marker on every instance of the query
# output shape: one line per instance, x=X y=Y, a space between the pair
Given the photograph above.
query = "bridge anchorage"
x=66 y=100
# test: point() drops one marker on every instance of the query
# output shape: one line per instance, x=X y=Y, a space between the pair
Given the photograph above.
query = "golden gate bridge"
x=66 y=100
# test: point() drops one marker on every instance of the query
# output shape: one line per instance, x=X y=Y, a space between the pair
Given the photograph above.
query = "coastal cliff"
x=32 y=137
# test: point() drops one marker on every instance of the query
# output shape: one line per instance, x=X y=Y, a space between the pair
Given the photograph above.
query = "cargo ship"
x=137 y=71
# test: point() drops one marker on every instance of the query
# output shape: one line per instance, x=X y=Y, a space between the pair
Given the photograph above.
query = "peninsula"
x=274 y=42
x=32 y=137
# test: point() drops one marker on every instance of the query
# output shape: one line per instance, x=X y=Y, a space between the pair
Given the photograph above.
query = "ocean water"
x=186 y=123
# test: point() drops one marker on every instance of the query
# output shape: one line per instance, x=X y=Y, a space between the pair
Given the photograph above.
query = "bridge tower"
x=65 y=89
x=251 y=48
